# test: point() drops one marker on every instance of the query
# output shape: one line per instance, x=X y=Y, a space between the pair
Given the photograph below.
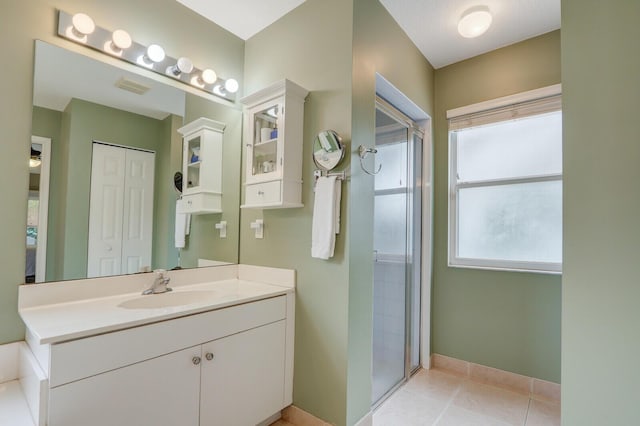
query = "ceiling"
x=433 y=25
x=54 y=85
x=243 y=18
x=430 y=24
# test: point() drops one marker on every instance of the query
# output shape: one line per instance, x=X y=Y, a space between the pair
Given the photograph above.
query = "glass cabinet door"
x=193 y=157
x=264 y=157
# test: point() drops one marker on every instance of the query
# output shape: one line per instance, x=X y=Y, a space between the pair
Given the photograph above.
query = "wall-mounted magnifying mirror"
x=328 y=150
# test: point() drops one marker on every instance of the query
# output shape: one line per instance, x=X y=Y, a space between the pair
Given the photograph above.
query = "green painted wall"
x=89 y=122
x=310 y=46
x=379 y=45
x=165 y=255
x=506 y=320
x=601 y=294
x=48 y=123
x=21 y=22
x=204 y=240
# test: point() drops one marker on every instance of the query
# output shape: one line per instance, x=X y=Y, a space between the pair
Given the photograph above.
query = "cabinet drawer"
x=263 y=193
x=82 y=358
x=200 y=203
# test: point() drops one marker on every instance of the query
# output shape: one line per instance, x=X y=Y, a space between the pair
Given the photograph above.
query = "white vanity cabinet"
x=273 y=136
x=235 y=374
x=201 y=167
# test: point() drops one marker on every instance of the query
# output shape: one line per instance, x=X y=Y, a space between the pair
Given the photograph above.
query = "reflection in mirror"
x=328 y=150
x=37 y=209
x=108 y=148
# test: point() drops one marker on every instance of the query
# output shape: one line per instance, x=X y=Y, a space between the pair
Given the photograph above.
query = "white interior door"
x=138 y=211
x=105 y=211
x=121 y=210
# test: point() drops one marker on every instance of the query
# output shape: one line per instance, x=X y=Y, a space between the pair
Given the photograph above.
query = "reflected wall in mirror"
x=107 y=129
x=328 y=150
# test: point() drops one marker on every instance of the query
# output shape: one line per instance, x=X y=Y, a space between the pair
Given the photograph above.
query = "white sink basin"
x=166 y=300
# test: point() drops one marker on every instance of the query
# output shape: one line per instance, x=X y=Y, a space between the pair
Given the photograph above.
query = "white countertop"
x=58 y=322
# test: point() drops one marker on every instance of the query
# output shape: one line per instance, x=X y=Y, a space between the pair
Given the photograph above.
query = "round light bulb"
x=209 y=76
x=184 y=65
x=155 y=53
x=474 y=22
x=83 y=24
x=231 y=85
x=121 y=39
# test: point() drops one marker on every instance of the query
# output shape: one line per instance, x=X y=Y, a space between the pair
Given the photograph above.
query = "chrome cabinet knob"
x=195 y=360
x=209 y=356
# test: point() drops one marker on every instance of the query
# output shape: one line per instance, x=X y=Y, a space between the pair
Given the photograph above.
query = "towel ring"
x=363 y=151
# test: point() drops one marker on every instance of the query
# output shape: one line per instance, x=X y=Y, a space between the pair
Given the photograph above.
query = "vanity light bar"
x=81 y=29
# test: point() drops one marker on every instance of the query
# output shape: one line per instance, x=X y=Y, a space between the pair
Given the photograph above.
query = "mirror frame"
x=319 y=149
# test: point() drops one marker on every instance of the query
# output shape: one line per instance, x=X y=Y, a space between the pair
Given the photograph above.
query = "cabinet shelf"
x=270 y=141
x=195 y=164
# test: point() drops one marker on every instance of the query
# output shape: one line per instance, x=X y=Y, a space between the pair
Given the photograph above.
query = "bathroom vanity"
x=217 y=350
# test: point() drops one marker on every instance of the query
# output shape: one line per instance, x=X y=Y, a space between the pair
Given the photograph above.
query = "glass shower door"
x=397 y=240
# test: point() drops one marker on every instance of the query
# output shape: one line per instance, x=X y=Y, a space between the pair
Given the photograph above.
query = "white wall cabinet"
x=273 y=136
x=201 y=167
x=237 y=375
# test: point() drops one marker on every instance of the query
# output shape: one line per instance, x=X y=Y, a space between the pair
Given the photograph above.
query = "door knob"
x=195 y=360
x=209 y=356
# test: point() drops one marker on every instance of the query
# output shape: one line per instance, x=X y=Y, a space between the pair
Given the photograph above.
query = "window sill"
x=527 y=267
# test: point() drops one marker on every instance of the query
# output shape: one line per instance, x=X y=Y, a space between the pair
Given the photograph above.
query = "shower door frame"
x=421 y=129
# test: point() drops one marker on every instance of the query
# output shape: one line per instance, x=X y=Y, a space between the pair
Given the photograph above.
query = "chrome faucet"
x=160 y=283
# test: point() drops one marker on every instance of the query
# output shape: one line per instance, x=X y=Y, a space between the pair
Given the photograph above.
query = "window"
x=505 y=184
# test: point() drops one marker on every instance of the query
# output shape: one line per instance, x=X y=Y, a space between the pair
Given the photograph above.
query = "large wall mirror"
x=105 y=149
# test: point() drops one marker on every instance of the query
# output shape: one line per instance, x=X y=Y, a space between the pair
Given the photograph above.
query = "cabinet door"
x=243 y=383
x=162 y=391
x=265 y=135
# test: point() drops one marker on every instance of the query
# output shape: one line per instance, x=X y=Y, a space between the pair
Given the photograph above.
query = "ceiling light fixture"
x=474 y=22
x=231 y=85
x=120 y=40
x=81 y=26
x=207 y=76
x=34 y=162
x=183 y=66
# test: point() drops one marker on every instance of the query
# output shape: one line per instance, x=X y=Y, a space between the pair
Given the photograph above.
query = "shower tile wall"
x=389 y=325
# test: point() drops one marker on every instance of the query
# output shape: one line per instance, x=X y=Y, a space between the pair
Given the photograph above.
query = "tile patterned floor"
x=435 y=397
x=439 y=398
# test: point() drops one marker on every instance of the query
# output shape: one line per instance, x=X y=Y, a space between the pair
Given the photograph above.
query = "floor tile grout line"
x=449 y=403
x=526 y=416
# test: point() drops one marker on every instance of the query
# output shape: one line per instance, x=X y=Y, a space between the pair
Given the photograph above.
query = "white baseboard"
x=535 y=388
x=9 y=362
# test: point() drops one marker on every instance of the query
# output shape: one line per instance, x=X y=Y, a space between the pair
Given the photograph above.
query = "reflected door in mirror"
x=121 y=211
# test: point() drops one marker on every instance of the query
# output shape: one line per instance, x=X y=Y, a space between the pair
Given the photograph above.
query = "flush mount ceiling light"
x=474 y=22
x=182 y=66
x=120 y=40
x=81 y=29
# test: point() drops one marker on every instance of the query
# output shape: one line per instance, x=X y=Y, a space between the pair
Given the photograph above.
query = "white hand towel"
x=183 y=220
x=326 y=208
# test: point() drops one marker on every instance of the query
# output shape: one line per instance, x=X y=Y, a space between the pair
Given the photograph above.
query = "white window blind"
x=509 y=112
